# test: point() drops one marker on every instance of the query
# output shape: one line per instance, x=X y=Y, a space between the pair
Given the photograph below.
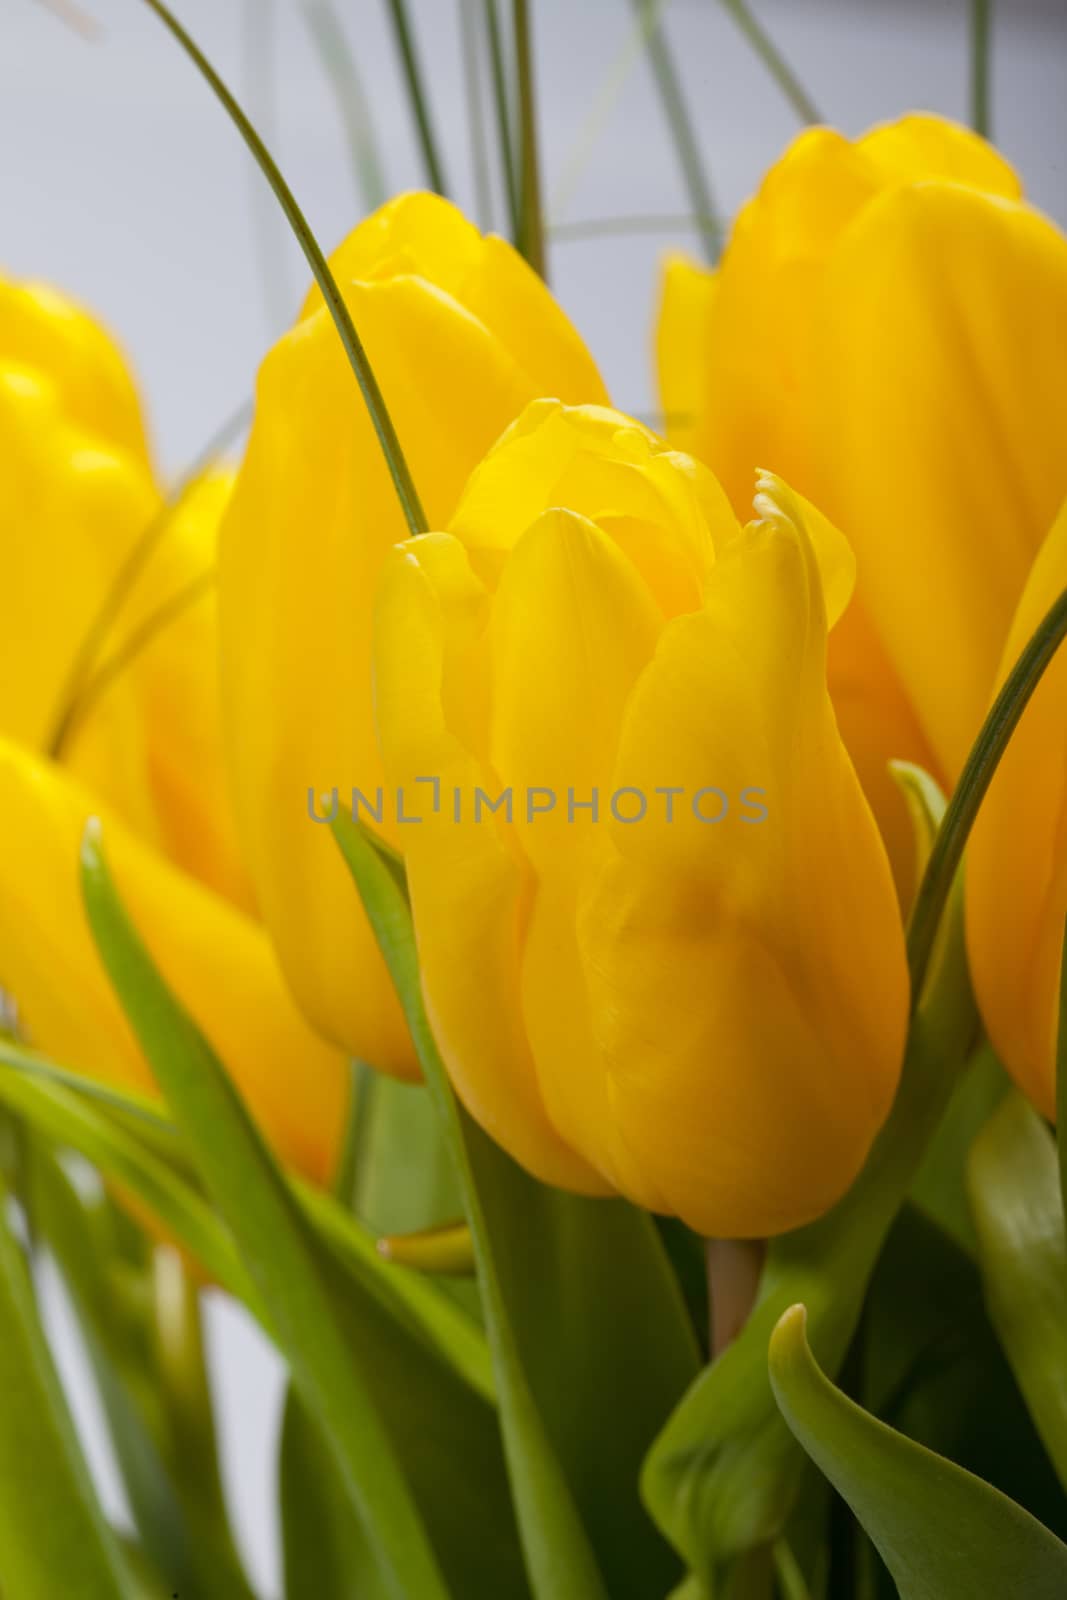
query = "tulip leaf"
x=1018 y=1213
x=53 y=1537
x=723 y=1475
x=175 y=1493
x=940 y=1186
x=943 y=1533
x=926 y=808
x=578 y=1299
x=321 y=1557
x=273 y=1237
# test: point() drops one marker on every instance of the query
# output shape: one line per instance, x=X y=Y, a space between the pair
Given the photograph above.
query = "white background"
x=122 y=182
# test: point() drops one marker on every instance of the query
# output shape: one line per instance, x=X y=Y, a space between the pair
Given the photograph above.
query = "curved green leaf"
x=579 y=1301
x=943 y=1534
x=53 y=1537
x=1018 y=1215
x=272 y=1236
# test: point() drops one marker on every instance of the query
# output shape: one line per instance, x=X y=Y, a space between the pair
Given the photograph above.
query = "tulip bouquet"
x=562 y=920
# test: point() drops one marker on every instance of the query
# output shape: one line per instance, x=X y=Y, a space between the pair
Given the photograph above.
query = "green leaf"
x=926 y=808
x=940 y=1186
x=579 y=1301
x=53 y=1538
x=929 y=1347
x=272 y=1236
x=943 y=1534
x=722 y=1477
x=322 y=1554
x=175 y=1494
x=1018 y=1215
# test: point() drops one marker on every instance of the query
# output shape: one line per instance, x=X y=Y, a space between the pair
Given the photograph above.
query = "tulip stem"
x=681 y=126
x=532 y=234
x=981 y=19
x=472 y=82
x=320 y=267
x=503 y=116
x=975 y=779
x=125 y=579
x=774 y=61
x=733 y=1267
x=420 y=105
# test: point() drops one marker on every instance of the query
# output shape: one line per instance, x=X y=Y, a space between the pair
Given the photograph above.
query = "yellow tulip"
x=697 y=995
x=888 y=329
x=76 y=493
x=1017 y=857
x=461 y=334
x=217 y=961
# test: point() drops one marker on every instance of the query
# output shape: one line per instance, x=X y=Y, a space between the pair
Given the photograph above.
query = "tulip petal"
x=938 y=388
x=45 y=333
x=216 y=961
x=312 y=517
x=683 y=326
x=1017 y=857
x=573 y=625
x=923 y=146
x=747 y=981
x=469 y=888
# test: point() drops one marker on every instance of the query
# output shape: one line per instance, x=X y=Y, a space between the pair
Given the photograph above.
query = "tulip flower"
x=657 y=930
x=1016 y=885
x=461 y=335
x=217 y=961
x=76 y=494
x=888 y=329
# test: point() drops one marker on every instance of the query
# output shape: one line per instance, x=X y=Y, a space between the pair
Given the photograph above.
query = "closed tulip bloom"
x=888 y=327
x=461 y=335
x=76 y=494
x=673 y=968
x=1016 y=884
x=217 y=961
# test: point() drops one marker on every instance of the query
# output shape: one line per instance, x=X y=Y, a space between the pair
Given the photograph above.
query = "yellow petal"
x=573 y=625
x=312 y=517
x=468 y=885
x=662 y=508
x=69 y=507
x=425 y=236
x=687 y=299
x=1017 y=857
x=942 y=358
x=922 y=146
x=746 y=980
x=217 y=962
x=45 y=333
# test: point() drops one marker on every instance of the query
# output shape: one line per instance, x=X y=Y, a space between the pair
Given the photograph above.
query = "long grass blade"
x=531 y=235
x=773 y=60
x=417 y=95
x=341 y=68
x=320 y=267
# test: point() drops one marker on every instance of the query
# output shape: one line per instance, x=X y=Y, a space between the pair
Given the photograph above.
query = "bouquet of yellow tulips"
x=561 y=919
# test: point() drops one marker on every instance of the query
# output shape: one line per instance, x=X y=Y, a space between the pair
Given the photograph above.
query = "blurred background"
x=122 y=182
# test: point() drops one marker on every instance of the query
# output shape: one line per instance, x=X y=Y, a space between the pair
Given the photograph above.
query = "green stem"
x=501 y=102
x=1061 y=1077
x=339 y=64
x=259 y=29
x=981 y=18
x=774 y=61
x=320 y=267
x=531 y=237
x=621 y=227
x=681 y=126
x=975 y=779
x=420 y=105
x=129 y=571
x=472 y=83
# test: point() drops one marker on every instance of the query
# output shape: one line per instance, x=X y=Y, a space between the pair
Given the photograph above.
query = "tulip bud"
x=889 y=328
x=658 y=937
x=76 y=496
x=460 y=334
